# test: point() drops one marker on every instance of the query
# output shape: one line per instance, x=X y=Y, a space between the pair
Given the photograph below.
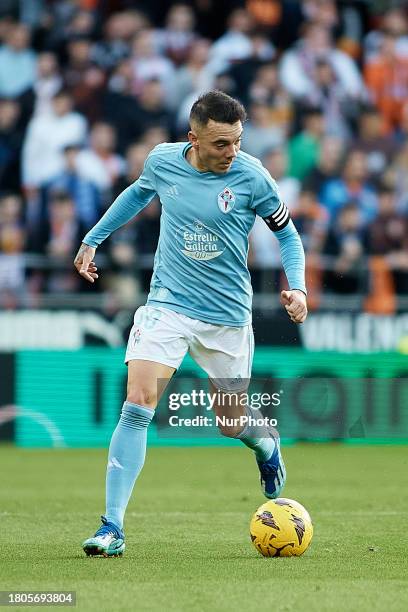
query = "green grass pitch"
x=188 y=546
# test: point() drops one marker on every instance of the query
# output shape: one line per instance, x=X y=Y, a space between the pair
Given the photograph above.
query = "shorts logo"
x=226 y=200
x=137 y=336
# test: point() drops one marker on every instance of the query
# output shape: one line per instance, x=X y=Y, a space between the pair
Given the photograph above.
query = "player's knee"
x=230 y=431
x=143 y=396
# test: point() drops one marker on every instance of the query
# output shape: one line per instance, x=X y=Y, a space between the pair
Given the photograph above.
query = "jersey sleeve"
x=269 y=205
x=147 y=180
x=126 y=206
x=292 y=256
x=265 y=193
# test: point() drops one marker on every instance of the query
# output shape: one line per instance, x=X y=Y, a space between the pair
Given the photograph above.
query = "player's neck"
x=193 y=160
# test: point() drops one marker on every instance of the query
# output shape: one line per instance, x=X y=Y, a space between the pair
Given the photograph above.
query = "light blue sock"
x=264 y=446
x=126 y=457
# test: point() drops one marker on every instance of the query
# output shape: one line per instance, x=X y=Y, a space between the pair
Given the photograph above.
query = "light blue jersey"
x=200 y=266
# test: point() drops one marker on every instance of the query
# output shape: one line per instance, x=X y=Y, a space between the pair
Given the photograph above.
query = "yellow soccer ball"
x=281 y=528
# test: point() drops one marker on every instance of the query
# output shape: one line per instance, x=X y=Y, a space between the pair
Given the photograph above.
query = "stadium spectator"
x=235 y=44
x=394 y=22
x=140 y=70
x=148 y=64
x=195 y=76
x=120 y=28
x=262 y=256
x=388 y=236
x=151 y=109
x=17 y=62
x=266 y=86
x=62 y=226
x=12 y=243
x=84 y=193
x=60 y=235
x=297 y=65
x=245 y=71
x=155 y=135
x=311 y=220
x=344 y=245
x=398 y=178
x=276 y=162
x=260 y=133
x=132 y=117
x=281 y=20
x=401 y=134
x=147 y=235
x=178 y=37
x=323 y=12
x=352 y=186
x=328 y=165
x=83 y=78
x=304 y=147
x=99 y=163
x=132 y=247
x=11 y=142
x=60 y=15
x=46 y=138
x=339 y=108
x=352 y=27
x=264 y=250
x=30 y=12
x=135 y=158
x=47 y=83
x=266 y=89
x=67 y=21
x=386 y=76
x=12 y=230
x=119 y=106
x=379 y=147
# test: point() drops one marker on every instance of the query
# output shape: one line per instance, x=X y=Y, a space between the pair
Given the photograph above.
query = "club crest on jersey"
x=137 y=336
x=226 y=200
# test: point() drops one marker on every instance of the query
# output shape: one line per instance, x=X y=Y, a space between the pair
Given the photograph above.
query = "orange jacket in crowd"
x=387 y=80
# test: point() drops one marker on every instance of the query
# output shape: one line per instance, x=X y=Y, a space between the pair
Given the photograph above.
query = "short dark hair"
x=385 y=190
x=219 y=107
x=310 y=110
x=369 y=109
x=62 y=93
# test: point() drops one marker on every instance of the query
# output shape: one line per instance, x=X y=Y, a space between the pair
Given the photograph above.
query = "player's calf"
x=230 y=413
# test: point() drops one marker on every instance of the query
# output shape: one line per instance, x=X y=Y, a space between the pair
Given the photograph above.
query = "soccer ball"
x=281 y=528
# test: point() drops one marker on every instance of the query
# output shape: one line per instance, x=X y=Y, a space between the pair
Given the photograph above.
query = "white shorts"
x=224 y=353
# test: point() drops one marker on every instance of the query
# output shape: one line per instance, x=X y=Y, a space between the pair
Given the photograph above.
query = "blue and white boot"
x=273 y=473
x=108 y=541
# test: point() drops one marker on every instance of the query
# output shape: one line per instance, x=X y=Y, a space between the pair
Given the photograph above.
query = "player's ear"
x=193 y=138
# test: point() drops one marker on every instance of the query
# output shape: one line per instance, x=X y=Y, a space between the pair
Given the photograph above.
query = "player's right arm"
x=126 y=206
x=85 y=264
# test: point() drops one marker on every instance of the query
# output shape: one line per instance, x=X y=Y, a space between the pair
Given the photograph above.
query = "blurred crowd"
x=89 y=87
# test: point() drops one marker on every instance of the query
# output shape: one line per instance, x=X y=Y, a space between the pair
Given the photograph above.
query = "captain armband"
x=279 y=219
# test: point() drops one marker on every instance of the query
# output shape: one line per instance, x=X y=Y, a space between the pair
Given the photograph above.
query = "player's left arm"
x=293 y=261
x=267 y=203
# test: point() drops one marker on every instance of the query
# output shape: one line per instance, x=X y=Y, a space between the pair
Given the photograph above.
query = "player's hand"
x=85 y=264
x=295 y=303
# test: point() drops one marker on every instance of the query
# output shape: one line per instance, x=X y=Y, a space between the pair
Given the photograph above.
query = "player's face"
x=215 y=146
